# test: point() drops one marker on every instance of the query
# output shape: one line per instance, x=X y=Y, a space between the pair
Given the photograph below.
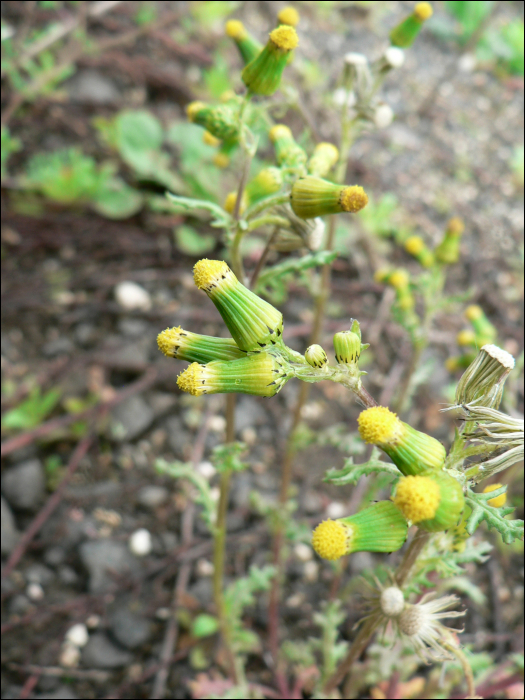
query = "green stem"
x=268 y=220
x=266 y=203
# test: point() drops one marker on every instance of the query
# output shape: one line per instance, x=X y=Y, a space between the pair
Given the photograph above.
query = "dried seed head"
x=392 y=601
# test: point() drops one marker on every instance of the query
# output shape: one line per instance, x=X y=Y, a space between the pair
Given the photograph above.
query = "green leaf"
x=227 y=457
x=351 y=473
x=117 y=200
x=191 y=242
x=294 y=265
x=32 y=411
x=222 y=218
x=494 y=517
x=9 y=145
x=204 y=626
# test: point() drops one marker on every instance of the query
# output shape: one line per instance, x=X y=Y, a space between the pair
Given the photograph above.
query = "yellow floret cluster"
x=288 y=15
x=423 y=11
x=208 y=272
x=285 y=38
x=279 y=131
x=193 y=108
x=472 y=313
x=330 y=540
x=417 y=497
x=379 y=425
x=191 y=379
x=167 y=340
x=414 y=245
x=353 y=199
x=235 y=29
x=499 y=501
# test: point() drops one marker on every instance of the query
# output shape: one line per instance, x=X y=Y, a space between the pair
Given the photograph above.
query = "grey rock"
x=248 y=413
x=24 y=485
x=177 y=435
x=54 y=556
x=152 y=496
x=38 y=573
x=67 y=575
x=202 y=590
x=92 y=87
x=131 y=418
x=61 y=693
x=10 y=534
x=311 y=503
x=129 y=629
x=59 y=346
x=103 y=492
x=103 y=557
x=169 y=541
x=161 y=402
x=19 y=605
x=86 y=334
x=133 y=327
x=100 y=652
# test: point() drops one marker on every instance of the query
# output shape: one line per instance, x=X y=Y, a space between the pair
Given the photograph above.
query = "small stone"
x=69 y=656
x=78 y=635
x=86 y=334
x=54 y=556
x=19 y=605
x=129 y=629
x=101 y=557
x=303 y=552
x=24 y=484
x=131 y=418
x=217 y=424
x=59 y=346
x=140 y=543
x=67 y=575
x=204 y=568
x=100 y=652
x=92 y=87
x=152 y=496
x=132 y=297
x=335 y=510
x=9 y=535
x=35 y=592
x=132 y=327
x=248 y=414
x=38 y=573
x=312 y=503
x=206 y=469
x=311 y=571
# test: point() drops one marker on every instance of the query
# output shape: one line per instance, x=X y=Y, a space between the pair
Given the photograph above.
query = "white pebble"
x=69 y=656
x=303 y=552
x=206 y=469
x=204 y=568
x=467 y=63
x=140 y=543
x=35 y=592
x=217 y=424
x=77 y=635
x=394 y=56
x=335 y=510
x=132 y=296
x=93 y=621
x=383 y=116
x=311 y=571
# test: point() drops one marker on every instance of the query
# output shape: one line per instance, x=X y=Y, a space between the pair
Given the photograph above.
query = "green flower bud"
x=405 y=33
x=347 y=346
x=378 y=528
x=416 y=247
x=448 y=251
x=484 y=379
x=248 y=46
x=252 y=322
x=262 y=76
x=221 y=120
x=312 y=197
x=485 y=331
x=411 y=451
x=260 y=374
x=432 y=500
x=267 y=182
x=192 y=347
x=287 y=152
x=316 y=356
x=324 y=158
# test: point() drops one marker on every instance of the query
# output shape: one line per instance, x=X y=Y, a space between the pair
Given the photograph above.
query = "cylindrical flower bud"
x=248 y=46
x=383 y=115
x=220 y=120
x=316 y=356
x=192 y=347
x=347 y=346
x=252 y=322
x=405 y=33
x=411 y=451
x=312 y=197
x=267 y=182
x=287 y=152
x=231 y=201
x=414 y=245
x=448 y=251
x=378 y=528
x=324 y=157
x=499 y=501
x=392 y=601
x=262 y=76
x=485 y=331
x=484 y=379
x=260 y=374
x=289 y=16
x=432 y=500
x=454 y=364
x=357 y=75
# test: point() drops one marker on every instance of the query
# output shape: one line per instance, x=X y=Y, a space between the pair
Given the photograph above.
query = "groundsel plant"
x=431 y=487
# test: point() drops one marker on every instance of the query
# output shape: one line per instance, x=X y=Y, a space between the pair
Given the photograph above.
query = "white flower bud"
x=355 y=59
x=383 y=116
x=77 y=635
x=394 y=56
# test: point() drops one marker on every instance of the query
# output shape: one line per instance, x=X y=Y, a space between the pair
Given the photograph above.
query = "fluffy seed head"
x=330 y=540
x=499 y=501
x=285 y=38
x=392 y=601
x=207 y=272
x=378 y=425
x=279 y=131
x=414 y=245
x=289 y=15
x=411 y=620
x=353 y=199
x=235 y=29
x=423 y=11
x=417 y=497
x=500 y=355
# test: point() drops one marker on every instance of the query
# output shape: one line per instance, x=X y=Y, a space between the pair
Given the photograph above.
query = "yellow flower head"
x=210 y=139
x=378 y=425
x=456 y=226
x=285 y=38
x=417 y=497
x=168 y=340
x=474 y=312
x=279 y=131
x=465 y=338
x=414 y=245
x=207 y=273
x=191 y=380
x=423 y=11
x=399 y=279
x=193 y=108
x=221 y=160
x=235 y=29
x=499 y=501
x=289 y=15
x=330 y=539
x=353 y=199
x=231 y=200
